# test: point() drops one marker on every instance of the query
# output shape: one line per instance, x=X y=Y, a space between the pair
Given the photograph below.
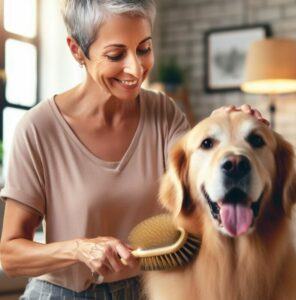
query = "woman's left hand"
x=244 y=108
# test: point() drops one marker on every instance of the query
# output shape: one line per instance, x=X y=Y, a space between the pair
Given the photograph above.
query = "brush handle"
x=142 y=253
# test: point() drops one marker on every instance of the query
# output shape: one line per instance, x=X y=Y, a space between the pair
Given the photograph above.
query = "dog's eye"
x=207 y=144
x=255 y=140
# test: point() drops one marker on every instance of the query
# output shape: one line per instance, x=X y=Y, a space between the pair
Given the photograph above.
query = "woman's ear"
x=174 y=189
x=286 y=174
x=76 y=50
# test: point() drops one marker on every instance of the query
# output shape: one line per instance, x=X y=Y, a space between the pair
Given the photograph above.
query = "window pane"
x=21 y=67
x=11 y=117
x=20 y=17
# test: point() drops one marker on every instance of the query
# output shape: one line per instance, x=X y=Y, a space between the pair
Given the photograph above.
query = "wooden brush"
x=160 y=245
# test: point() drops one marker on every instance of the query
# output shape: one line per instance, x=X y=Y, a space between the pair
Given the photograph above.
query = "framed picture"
x=225 y=54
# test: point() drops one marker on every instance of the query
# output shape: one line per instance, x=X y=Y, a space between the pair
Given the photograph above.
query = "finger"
x=108 y=265
x=266 y=122
x=133 y=262
x=217 y=110
x=257 y=114
x=126 y=255
x=103 y=262
x=129 y=247
x=123 y=251
x=98 y=257
x=246 y=108
x=230 y=108
x=114 y=260
x=214 y=112
x=102 y=270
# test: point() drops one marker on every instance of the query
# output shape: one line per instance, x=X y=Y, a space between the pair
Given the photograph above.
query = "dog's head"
x=232 y=168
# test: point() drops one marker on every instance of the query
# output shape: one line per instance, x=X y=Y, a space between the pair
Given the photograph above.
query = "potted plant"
x=171 y=75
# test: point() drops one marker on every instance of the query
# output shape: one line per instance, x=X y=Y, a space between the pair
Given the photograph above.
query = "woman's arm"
x=20 y=256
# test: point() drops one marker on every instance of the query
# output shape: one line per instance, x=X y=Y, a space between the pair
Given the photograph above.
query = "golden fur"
x=260 y=264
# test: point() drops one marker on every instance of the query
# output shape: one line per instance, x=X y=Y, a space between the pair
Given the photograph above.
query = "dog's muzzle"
x=235 y=213
x=234 y=209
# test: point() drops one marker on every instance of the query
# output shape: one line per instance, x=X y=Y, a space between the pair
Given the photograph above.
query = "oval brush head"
x=160 y=245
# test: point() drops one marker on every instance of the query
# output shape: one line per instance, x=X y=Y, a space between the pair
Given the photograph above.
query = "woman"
x=88 y=161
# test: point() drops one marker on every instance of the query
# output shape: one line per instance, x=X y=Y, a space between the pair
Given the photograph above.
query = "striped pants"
x=128 y=289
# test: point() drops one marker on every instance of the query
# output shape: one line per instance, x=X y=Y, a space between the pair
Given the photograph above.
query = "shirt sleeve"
x=25 y=177
x=177 y=123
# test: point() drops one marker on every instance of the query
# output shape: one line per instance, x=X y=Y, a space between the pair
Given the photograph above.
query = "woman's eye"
x=144 y=51
x=115 y=57
x=207 y=144
x=255 y=140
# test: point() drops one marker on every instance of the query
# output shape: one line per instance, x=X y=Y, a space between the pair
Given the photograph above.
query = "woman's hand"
x=244 y=108
x=105 y=256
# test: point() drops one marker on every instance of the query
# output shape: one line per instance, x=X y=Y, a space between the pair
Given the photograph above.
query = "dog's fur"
x=261 y=262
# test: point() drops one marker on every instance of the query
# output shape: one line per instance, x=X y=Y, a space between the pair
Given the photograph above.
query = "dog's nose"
x=236 y=166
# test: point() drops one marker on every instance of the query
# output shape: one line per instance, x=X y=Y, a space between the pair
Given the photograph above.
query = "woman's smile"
x=128 y=84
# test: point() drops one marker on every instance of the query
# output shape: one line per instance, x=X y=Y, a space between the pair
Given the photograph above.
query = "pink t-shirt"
x=81 y=195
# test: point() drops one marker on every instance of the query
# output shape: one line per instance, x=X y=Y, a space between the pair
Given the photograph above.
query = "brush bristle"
x=158 y=232
x=172 y=260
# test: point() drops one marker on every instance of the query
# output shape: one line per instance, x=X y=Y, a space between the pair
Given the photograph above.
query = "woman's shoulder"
x=158 y=102
x=154 y=96
x=157 y=99
x=38 y=117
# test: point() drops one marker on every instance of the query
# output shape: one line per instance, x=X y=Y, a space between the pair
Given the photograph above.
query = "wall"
x=59 y=71
x=182 y=27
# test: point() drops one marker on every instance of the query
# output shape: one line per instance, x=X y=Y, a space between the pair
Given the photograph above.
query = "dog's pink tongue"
x=236 y=218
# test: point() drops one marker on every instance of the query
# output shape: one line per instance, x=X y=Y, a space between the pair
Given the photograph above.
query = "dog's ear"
x=286 y=174
x=174 y=189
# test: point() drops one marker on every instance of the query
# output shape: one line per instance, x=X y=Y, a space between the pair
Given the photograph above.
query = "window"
x=19 y=57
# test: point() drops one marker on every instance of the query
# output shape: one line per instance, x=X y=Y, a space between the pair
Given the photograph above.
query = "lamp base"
x=272 y=111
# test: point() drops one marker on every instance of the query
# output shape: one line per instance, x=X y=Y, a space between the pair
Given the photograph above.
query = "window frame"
x=35 y=41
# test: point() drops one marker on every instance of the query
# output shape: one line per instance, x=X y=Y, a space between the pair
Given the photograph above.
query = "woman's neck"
x=88 y=102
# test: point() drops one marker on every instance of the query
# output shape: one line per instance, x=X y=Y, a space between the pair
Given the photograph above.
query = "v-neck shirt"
x=116 y=166
x=80 y=195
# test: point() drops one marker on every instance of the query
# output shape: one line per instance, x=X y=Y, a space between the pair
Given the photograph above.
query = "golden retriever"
x=231 y=181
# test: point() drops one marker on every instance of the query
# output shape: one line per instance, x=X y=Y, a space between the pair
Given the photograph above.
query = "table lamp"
x=270 y=69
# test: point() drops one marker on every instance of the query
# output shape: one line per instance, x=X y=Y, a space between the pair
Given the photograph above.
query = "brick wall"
x=181 y=27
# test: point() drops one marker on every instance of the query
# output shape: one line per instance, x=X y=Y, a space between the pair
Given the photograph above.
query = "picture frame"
x=225 y=53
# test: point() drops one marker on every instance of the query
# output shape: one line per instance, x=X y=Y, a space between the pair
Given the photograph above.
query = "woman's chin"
x=126 y=94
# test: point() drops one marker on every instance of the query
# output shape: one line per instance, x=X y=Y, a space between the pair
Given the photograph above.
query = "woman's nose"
x=133 y=66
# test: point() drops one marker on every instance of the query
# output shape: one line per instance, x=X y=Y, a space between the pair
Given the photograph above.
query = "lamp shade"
x=271 y=67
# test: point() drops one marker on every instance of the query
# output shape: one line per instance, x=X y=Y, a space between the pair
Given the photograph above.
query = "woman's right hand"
x=105 y=255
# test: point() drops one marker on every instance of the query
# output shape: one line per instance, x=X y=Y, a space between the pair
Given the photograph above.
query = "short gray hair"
x=84 y=17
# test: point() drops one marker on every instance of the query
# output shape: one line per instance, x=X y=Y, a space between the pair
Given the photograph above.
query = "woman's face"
x=121 y=56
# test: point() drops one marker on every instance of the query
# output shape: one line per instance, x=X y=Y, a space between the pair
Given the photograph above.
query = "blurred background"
x=200 y=47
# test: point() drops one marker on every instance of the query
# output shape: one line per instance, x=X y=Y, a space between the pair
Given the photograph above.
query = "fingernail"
x=122 y=251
